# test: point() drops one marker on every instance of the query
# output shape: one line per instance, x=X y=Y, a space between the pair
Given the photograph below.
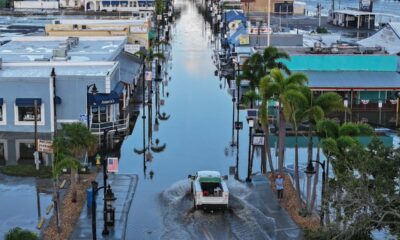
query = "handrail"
x=121 y=124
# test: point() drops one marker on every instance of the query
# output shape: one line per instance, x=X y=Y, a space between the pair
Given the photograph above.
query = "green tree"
x=365 y=190
x=20 y=234
x=278 y=85
x=294 y=104
x=318 y=107
x=73 y=142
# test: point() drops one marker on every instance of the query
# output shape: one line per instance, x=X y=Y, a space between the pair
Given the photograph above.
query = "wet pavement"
x=123 y=186
x=19 y=205
x=197 y=137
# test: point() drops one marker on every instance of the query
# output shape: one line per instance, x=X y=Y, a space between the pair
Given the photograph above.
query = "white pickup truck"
x=209 y=190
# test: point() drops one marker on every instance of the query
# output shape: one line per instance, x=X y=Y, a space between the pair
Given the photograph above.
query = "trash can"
x=89 y=197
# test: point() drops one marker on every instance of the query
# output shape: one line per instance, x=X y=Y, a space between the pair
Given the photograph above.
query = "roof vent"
x=73 y=41
x=60 y=54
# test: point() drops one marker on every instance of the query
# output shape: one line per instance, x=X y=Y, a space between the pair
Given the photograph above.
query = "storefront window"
x=26 y=113
x=26 y=150
x=101 y=114
x=2 y=152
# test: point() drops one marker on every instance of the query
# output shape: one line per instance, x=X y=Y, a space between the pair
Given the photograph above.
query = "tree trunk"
x=315 y=183
x=73 y=185
x=309 y=159
x=267 y=148
x=327 y=215
x=296 y=171
x=282 y=135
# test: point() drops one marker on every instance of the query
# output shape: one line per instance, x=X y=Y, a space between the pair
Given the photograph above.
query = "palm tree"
x=318 y=107
x=265 y=96
x=279 y=85
x=294 y=105
x=272 y=58
x=20 y=234
x=78 y=140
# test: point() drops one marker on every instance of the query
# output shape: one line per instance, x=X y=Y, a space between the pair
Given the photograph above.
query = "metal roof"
x=354 y=12
x=27 y=49
x=357 y=80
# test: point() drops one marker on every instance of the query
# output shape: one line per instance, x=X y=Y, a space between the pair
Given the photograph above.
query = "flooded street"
x=196 y=136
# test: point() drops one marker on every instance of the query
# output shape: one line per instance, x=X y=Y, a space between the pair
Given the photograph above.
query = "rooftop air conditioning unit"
x=60 y=53
x=73 y=41
x=65 y=45
x=57 y=22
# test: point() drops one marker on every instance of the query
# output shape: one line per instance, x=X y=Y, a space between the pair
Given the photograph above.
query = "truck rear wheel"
x=194 y=205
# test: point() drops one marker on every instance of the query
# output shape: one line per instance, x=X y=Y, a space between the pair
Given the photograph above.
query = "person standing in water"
x=279 y=186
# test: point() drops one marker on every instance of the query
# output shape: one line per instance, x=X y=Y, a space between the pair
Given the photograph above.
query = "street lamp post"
x=345 y=104
x=94 y=91
x=108 y=195
x=311 y=171
x=249 y=165
x=237 y=120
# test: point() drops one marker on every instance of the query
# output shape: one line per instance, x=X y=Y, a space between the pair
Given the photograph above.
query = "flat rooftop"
x=101 y=21
x=43 y=70
x=27 y=49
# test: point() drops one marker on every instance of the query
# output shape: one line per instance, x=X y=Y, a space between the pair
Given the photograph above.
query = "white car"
x=209 y=190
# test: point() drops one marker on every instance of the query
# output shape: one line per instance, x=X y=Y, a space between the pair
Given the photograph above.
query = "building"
x=388 y=38
x=136 y=31
x=71 y=4
x=276 y=6
x=142 y=8
x=38 y=5
x=366 y=78
x=26 y=79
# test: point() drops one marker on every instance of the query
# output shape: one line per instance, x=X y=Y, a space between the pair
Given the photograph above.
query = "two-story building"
x=142 y=8
x=28 y=82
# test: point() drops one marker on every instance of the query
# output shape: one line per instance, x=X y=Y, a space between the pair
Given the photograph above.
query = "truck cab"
x=209 y=190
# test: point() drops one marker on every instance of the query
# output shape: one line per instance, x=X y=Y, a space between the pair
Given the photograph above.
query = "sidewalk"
x=266 y=201
x=124 y=187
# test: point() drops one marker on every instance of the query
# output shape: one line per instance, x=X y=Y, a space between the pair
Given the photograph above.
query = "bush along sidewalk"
x=26 y=171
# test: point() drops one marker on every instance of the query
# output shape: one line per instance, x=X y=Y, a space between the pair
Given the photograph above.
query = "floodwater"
x=197 y=135
x=381 y=6
x=19 y=206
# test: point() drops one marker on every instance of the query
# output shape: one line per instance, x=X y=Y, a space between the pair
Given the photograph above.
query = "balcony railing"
x=120 y=125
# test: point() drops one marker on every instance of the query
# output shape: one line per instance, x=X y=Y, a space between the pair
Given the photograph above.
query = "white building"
x=40 y=5
x=135 y=6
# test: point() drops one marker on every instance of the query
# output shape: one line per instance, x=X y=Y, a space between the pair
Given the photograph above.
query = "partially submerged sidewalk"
x=124 y=187
x=266 y=201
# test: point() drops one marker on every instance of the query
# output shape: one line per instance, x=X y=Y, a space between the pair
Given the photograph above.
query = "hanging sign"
x=148 y=76
x=258 y=140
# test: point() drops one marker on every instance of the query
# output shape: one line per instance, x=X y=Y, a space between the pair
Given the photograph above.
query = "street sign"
x=258 y=140
x=238 y=125
x=252 y=113
x=148 y=76
x=45 y=146
x=132 y=48
x=112 y=164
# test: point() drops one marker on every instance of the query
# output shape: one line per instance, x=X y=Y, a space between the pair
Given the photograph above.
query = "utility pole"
x=269 y=23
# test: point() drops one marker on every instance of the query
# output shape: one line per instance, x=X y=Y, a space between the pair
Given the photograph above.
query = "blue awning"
x=103 y=99
x=27 y=102
x=1 y=101
x=119 y=88
x=57 y=100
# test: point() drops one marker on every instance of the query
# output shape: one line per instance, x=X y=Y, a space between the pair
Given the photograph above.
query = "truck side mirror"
x=189 y=176
x=225 y=177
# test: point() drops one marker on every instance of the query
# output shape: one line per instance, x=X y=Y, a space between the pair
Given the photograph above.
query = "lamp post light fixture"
x=94 y=92
x=310 y=171
x=346 y=105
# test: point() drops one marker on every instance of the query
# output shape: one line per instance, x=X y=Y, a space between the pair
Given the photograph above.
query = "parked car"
x=209 y=190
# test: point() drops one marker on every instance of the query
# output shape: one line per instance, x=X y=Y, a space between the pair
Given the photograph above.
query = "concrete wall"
x=36 y=4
